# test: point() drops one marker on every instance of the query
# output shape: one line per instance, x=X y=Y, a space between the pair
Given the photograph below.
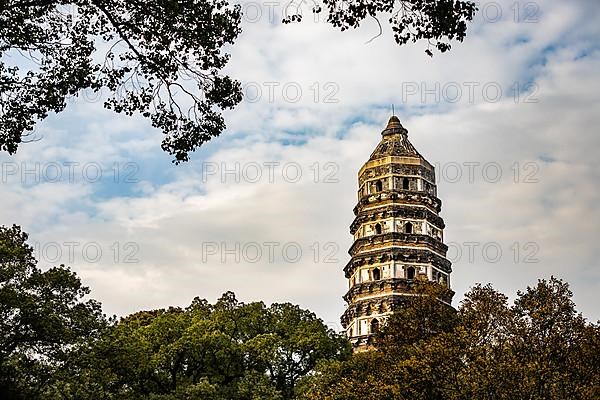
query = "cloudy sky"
x=509 y=118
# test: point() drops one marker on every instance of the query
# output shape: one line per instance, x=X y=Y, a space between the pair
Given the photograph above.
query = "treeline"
x=539 y=348
x=57 y=344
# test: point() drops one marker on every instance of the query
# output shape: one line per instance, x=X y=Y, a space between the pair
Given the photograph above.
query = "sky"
x=509 y=118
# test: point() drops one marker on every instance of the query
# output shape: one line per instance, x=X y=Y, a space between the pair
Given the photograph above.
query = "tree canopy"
x=161 y=59
x=43 y=317
x=228 y=350
x=539 y=348
x=56 y=344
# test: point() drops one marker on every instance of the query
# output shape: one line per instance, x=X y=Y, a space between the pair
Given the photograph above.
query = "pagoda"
x=398 y=235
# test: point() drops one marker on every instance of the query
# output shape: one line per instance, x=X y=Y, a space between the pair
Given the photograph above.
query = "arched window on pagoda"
x=405 y=184
x=376 y=274
x=408 y=228
x=410 y=273
x=378 y=229
x=374 y=325
x=443 y=280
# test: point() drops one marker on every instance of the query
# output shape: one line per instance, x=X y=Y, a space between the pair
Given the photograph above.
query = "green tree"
x=161 y=59
x=485 y=334
x=229 y=350
x=43 y=317
x=548 y=344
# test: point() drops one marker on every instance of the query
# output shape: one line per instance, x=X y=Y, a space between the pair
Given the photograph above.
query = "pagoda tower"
x=398 y=235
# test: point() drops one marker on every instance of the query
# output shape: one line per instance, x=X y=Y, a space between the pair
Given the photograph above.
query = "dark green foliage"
x=54 y=345
x=43 y=317
x=436 y=21
x=161 y=59
x=228 y=350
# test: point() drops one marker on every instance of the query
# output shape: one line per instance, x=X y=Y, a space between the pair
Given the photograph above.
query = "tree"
x=43 y=316
x=161 y=59
x=538 y=348
x=548 y=344
x=292 y=343
x=423 y=316
x=485 y=334
x=362 y=377
x=436 y=21
x=229 y=350
x=411 y=356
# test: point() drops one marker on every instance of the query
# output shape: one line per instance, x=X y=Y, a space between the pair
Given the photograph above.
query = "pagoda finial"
x=394 y=126
x=394 y=122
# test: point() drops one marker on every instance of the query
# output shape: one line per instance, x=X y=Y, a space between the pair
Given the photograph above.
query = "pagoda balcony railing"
x=398 y=239
x=398 y=211
x=406 y=196
x=379 y=286
x=400 y=255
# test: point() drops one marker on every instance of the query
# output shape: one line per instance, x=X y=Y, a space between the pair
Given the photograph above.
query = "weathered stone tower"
x=398 y=234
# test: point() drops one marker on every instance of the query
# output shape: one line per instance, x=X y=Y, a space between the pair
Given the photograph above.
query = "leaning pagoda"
x=398 y=235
